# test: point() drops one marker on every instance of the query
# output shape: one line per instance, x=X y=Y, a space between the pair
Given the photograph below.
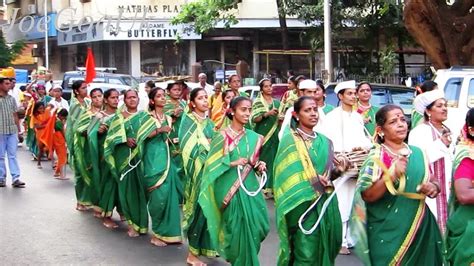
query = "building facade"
x=138 y=38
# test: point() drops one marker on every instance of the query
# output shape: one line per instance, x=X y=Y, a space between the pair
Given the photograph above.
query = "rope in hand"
x=402 y=183
x=344 y=179
x=122 y=176
x=263 y=180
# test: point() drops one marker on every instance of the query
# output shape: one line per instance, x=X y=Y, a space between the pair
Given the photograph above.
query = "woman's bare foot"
x=97 y=214
x=81 y=207
x=344 y=251
x=39 y=166
x=132 y=233
x=157 y=242
x=193 y=260
x=109 y=223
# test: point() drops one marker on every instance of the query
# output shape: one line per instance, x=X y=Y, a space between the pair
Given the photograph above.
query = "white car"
x=458 y=86
x=252 y=91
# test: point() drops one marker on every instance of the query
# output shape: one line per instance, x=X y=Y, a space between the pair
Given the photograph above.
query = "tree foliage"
x=202 y=16
x=9 y=52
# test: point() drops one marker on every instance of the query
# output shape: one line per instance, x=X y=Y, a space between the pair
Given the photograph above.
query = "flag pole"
x=46 y=44
x=327 y=39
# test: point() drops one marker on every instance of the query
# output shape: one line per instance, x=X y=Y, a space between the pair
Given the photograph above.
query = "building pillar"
x=222 y=59
x=135 y=59
x=192 y=55
x=256 y=57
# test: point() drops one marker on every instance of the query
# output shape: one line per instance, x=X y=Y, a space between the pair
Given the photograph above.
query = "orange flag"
x=90 y=66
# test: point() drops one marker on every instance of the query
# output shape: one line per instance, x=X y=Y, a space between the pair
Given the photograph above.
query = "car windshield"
x=73 y=79
x=130 y=81
x=404 y=99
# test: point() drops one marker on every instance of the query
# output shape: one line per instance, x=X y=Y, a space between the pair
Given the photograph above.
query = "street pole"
x=327 y=39
x=46 y=44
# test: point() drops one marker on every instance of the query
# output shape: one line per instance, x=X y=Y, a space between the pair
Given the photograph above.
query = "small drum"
x=353 y=159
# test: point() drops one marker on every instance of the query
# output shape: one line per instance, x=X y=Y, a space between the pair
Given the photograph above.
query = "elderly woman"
x=390 y=220
x=434 y=138
x=460 y=231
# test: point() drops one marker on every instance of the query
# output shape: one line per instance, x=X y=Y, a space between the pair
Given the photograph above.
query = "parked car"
x=254 y=91
x=458 y=86
x=101 y=77
x=251 y=91
x=106 y=86
x=382 y=94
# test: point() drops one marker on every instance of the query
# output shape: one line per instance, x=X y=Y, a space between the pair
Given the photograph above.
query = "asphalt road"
x=39 y=225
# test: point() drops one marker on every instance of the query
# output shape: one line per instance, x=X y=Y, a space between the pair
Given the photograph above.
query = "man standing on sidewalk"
x=9 y=130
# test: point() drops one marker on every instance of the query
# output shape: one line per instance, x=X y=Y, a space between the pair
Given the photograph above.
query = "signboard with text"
x=147 y=30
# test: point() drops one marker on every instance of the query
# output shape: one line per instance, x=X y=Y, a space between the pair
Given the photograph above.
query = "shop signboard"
x=147 y=30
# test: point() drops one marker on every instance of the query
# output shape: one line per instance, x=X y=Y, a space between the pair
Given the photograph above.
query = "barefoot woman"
x=303 y=166
x=391 y=222
x=160 y=176
x=123 y=153
x=237 y=218
x=195 y=133
x=105 y=185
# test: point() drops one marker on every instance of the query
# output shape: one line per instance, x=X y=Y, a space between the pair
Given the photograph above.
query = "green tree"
x=369 y=20
x=9 y=52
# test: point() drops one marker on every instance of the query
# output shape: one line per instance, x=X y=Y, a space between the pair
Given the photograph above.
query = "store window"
x=164 y=58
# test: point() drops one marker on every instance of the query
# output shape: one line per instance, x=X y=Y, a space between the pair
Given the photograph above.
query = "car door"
x=456 y=94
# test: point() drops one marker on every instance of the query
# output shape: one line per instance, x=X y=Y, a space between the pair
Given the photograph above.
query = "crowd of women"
x=216 y=158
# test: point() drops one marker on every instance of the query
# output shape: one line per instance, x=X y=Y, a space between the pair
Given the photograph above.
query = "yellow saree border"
x=169 y=239
x=267 y=108
x=397 y=259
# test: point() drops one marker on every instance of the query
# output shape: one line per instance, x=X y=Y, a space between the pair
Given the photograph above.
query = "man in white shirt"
x=58 y=102
x=307 y=87
x=203 y=83
x=345 y=128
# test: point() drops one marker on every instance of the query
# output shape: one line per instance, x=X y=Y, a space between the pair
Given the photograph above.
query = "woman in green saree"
x=123 y=152
x=104 y=184
x=195 y=133
x=391 y=222
x=79 y=105
x=266 y=123
x=85 y=187
x=160 y=176
x=303 y=167
x=237 y=218
x=174 y=108
x=460 y=224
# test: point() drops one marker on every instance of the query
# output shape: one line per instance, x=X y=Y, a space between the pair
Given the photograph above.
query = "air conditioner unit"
x=31 y=9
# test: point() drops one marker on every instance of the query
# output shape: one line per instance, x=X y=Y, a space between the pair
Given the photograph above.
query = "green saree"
x=194 y=138
x=416 y=118
x=174 y=140
x=395 y=230
x=85 y=190
x=126 y=165
x=460 y=225
x=76 y=144
x=160 y=180
x=238 y=229
x=104 y=185
x=268 y=127
x=75 y=111
x=295 y=167
x=327 y=108
x=31 y=137
x=368 y=113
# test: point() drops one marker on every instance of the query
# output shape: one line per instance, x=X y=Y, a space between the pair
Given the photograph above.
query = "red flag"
x=90 y=66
